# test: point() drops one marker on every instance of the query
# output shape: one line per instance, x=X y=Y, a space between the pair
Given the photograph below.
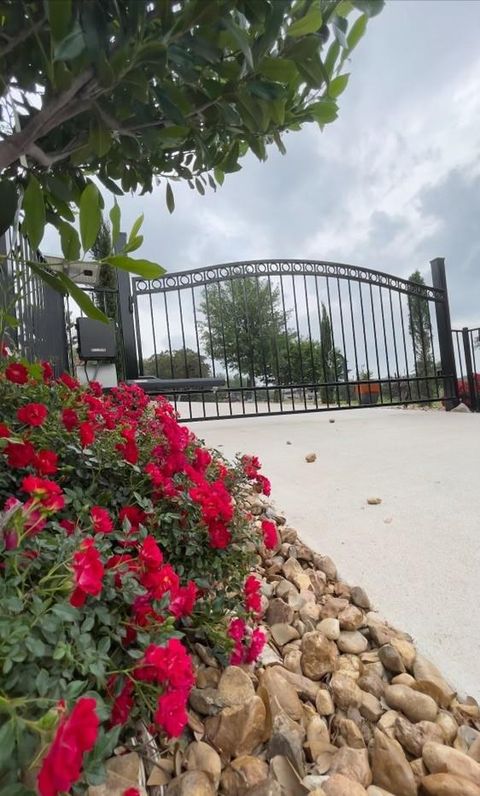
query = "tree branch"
x=68 y=104
x=21 y=37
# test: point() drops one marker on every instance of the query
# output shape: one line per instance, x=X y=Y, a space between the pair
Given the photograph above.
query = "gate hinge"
x=130 y=304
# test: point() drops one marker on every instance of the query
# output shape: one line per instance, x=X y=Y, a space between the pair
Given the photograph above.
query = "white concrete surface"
x=417 y=553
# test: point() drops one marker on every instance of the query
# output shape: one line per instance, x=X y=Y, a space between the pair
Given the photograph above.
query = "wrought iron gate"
x=467 y=356
x=292 y=336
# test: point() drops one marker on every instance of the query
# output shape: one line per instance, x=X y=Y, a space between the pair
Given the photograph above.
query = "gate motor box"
x=96 y=340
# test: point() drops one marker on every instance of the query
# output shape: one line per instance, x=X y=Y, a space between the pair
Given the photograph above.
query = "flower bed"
x=123 y=540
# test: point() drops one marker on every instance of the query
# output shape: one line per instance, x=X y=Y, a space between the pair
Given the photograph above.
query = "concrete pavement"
x=417 y=554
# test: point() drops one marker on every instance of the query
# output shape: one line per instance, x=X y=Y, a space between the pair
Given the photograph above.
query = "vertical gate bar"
x=250 y=346
x=322 y=349
x=302 y=374
x=357 y=373
x=345 y=363
x=367 y=364
x=444 y=329
x=314 y=374
x=222 y=327
x=407 y=366
x=432 y=348
x=387 y=358
x=128 y=319
x=169 y=338
x=376 y=343
x=473 y=344
x=200 y=368
x=237 y=345
x=395 y=349
x=469 y=368
x=335 y=368
x=287 y=342
x=274 y=325
x=154 y=336
x=184 y=344
x=414 y=348
x=262 y=344
x=207 y=308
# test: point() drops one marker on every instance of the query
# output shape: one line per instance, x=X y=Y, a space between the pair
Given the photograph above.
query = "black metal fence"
x=34 y=312
x=293 y=336
x=467 y=355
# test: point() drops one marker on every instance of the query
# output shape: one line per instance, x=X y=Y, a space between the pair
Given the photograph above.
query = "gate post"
x=444 y=328
x=125 y=306
x=472 y=386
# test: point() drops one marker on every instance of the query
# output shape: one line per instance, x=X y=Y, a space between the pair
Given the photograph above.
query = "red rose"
x=171 y=713
x=134 y=515
x=45 y=462
x=4 y=431
x=76 y=734
x=88 y=570
x=270 y=535
x=123 y=705
x=129 y=451
x=69 y=419
x=219 y=535
x=150 y=553
x=16 y=373
x=251 y=591
x=19 y=454
x=87 y=434
x=47 y=372
x=259 y=639
x=102 y=522
x=67 y=380
x=32 y=414
x=68 y=526
x=131 y=792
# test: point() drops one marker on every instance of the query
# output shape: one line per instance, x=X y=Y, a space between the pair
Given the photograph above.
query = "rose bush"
x=122 y=541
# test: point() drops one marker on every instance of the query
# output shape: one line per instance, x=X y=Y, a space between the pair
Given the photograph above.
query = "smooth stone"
x=318 y=736
x=282 y=696
x=278 y=612
x=346 y=692
x=374 y=790
x=208 y=677
x=443 y=759
x=287 y=740
x=447 y=785
x=423 y=669
x=269 y=656
x=282 y=634
x=237 y=730
x=390 y=767
x=235 y=686
x=197 y=782
x=360 y=599
x=353 y=764
x=206 y=701
x=351 y=618
x=348 y=733
x=351 y=665
x=466 y=737
x=324 y=703
x=371 y=708
x=391 y=659
x=330 y=628
x=406 y=650
x=338 y=785
x=292 y=661
x=319 y=655
x=352 y=642
x=326 y=565
x=415 y=706
x=403 y=679
x=243 y=773
x=448 y=725
x=305 y=688
x=332 y=606
x=372 y=683
x=413 y=737
x=201 y=756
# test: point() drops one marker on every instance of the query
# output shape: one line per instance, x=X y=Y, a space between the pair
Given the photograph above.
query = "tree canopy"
x=136 y=91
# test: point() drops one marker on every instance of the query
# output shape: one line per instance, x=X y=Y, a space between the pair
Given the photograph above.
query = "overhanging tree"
x=182 y=363
x=136 y=91
x=420 y=328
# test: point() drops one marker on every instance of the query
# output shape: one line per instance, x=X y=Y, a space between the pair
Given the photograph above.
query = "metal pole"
x=125 y=306
x=472 y=387
x=444 y=329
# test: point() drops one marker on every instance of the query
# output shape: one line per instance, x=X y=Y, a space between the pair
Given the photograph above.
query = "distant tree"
x=420 y=328
x=183 y=363
x=243 y=326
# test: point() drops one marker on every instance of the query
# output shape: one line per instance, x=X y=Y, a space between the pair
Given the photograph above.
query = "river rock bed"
x=340 y=704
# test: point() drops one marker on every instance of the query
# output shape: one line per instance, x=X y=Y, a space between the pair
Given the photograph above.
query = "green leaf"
x=100 y=138
x=136 y=226
x=241 y=38
x=47 y=276
x=7 y=742
x=369 y=7
x=90 y=216
x=219 y=175
x=310 y=23
x=35 y=646
x=8 y=204
x=59 y=16
x=34 y=209
x=115 y=220
x=144 y=268
x=280 y=69
x=358 y=29
x=16 y=789
x=323 y=111
x=69 y=240
x=338 y=85
x=71 y=46
x=331 y=59
x=41 y=682
x=66 y=612
x=170 y=199
x=133 y=244
x=199 y=186
x=339 y=26
x=83 y=299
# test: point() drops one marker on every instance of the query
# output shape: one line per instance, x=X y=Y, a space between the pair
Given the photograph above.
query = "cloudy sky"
x=394 y=182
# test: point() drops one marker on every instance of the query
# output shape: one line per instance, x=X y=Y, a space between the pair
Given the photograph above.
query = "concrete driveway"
x=417 y=554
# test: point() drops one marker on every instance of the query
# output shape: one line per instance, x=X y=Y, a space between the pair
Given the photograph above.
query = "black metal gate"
x=289 y=336
x=467 y=356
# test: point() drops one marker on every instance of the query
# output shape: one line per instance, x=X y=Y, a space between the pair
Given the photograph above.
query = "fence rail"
x=467 y=355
